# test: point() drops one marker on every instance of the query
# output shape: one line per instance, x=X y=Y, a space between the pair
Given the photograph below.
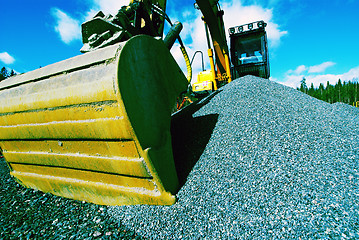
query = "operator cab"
x=249 y=51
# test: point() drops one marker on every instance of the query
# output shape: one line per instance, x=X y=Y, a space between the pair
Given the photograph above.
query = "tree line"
x=4 y=73
x=346 y=92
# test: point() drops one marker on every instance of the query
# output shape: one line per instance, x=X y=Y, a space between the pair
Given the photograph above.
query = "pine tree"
x=329 y=91
x=311 y=90
x=303 y=86
x=3 y=73
x=321 y=91
x=338 y=88
x=12 y=73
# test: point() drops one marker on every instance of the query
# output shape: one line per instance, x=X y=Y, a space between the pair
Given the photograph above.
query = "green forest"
x=346 y=92
x=4 y=73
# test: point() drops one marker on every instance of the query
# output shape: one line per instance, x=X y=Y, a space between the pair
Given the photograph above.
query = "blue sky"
x=311 y=39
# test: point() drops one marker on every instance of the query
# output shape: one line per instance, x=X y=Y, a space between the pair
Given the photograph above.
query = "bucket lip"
x=65 y=66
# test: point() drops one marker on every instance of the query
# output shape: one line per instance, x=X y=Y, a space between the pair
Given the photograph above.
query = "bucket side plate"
x=82 y=128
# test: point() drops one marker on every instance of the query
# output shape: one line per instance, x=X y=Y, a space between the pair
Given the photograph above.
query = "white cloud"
x=68 y=27
x=292 y=80
x=237 y=14
x=351 y=74
x=6 y=58
x=321 y=67
x=293 y=77
x=106 y=6
x=298 y=70
x=323 y=78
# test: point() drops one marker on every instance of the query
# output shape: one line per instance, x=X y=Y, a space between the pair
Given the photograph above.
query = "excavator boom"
x=213 y=18
x=220 y=72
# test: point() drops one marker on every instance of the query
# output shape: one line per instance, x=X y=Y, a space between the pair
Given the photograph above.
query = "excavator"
x=249 y=56
x=96 y=127
x=249 y=50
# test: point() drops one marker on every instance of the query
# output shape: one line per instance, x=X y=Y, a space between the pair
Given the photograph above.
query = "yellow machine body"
x=219 y=61
x=204 y=82
x=96 y=127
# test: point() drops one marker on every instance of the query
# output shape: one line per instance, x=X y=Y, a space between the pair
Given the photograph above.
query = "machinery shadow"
x=190 y=136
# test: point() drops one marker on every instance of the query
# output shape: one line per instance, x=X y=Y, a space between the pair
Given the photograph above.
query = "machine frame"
x=250 y=37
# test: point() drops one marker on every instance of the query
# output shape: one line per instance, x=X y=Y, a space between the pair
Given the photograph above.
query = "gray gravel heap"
x=259 y=160
x=29 y=214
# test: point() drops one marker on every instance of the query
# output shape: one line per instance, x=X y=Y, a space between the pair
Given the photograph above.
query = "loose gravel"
x=30 y=214
x=271 y=162
x=255 y=160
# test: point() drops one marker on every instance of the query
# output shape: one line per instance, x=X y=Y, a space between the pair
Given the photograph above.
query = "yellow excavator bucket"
x=96 y=127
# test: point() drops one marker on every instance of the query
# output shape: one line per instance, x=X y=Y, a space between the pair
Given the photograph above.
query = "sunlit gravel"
x=278 y=164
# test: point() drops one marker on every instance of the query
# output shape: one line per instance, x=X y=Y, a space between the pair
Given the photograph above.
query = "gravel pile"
x=30 y=214
x=255 y=160
x=259 y=160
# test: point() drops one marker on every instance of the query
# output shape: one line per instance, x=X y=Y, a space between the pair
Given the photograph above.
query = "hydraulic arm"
x=213 y=18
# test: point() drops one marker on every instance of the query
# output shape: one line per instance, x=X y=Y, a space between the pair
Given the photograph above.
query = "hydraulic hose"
x=188 y=63
x=168 y=40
